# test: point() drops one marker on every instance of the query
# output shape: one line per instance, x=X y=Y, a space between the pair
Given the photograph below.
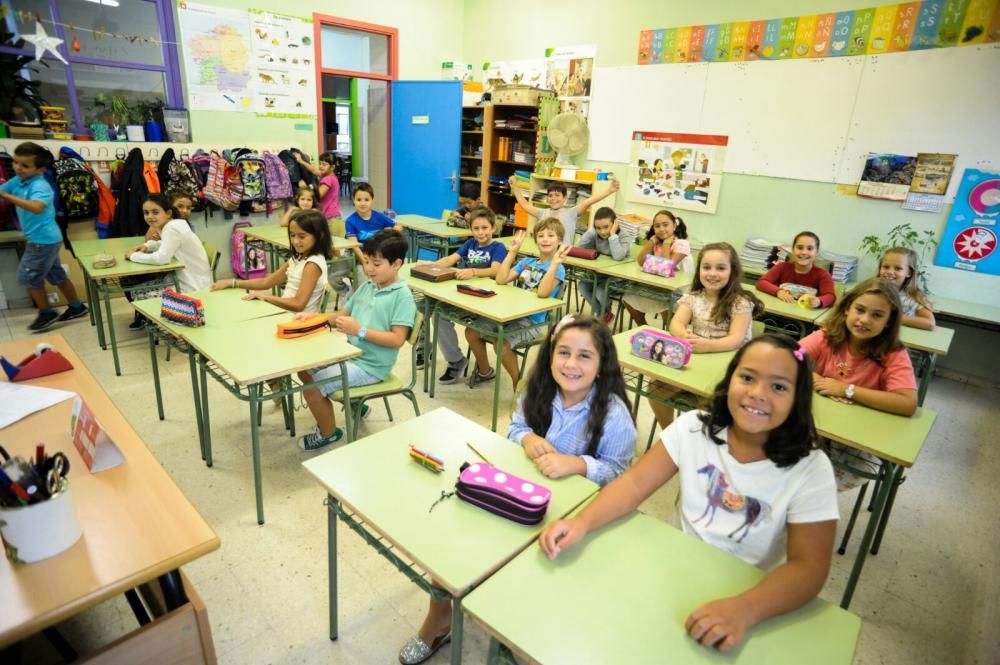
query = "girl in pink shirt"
x=329 y=188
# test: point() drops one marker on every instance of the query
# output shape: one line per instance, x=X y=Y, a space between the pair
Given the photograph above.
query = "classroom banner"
x=907 y=26
x=677 y=170
x=969 y=241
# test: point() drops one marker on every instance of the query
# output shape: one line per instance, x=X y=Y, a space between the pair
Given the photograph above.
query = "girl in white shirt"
x=752 y=483
x=304 y=274
x=177 y=241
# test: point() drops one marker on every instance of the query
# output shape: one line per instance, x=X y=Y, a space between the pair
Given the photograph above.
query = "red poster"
x=823 y=35
x=697 y=39
x=906 y=21
x=755 y=38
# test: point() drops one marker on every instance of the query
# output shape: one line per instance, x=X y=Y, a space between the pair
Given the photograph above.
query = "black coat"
x=128 y=220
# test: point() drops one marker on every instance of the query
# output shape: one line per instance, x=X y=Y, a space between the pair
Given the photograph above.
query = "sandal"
x=417 y=651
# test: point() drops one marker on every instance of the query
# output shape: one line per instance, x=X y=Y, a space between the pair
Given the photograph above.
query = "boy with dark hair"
x=604 y=237
x=556 y=198
x=377 y=320
x=35 y=202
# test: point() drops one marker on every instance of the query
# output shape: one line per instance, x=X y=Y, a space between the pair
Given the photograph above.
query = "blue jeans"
x=40 y=262
x=596 y=298
x=355 y=377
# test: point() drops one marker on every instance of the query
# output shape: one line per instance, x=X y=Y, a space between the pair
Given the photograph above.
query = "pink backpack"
x=658 y=346
x=279 y=186
x=248 y=257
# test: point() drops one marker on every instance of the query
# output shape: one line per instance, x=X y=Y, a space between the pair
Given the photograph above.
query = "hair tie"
x=569 y=318
x=799 y=353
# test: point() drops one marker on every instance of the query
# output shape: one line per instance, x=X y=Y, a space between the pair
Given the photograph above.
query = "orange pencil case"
x=300 y=328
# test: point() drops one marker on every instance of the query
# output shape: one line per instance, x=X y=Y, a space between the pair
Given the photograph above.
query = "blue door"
x=426 y=135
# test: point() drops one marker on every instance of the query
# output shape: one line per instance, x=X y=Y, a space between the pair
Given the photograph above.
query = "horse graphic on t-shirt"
x=719 y=496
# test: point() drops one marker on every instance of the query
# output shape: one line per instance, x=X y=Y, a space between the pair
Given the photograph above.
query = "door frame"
x=392 y=38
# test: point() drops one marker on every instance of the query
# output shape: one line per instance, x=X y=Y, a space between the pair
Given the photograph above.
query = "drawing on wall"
x=283 y=55
x=677 y=170
x=569 y=71
x=930 y=182
x=887 y=176
x=969 y=241
x=514 y=72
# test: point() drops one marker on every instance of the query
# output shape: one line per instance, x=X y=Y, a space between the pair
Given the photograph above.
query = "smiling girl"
x=667 y=237
x=899 y=265
x=801 y=270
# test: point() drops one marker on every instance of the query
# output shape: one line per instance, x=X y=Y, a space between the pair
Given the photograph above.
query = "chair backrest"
x=418 y=322
x=756 y=329
x=325 y=301
x=213 y=255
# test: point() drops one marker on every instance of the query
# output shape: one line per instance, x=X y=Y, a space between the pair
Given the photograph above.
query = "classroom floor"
x=932 y=595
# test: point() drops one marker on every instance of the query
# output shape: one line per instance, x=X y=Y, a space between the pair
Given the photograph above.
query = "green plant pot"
x=4 y=133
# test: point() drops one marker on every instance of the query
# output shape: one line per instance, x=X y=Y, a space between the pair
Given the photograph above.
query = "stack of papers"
x=759 y=254
x=844 y=267
x=634 y=225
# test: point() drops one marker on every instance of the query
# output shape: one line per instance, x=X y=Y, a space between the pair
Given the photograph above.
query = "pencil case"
x=181 y=309
x=582 y=253
x=502 y=493
x=475 y=291
x=658 y=265
x=658 y=346
x=300 y=328
x=432 y=273
x=797 y=290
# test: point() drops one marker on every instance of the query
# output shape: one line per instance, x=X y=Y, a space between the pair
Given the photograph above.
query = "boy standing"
x=557 y=199
x=377 y=320
x=603 y=237
x=34 y=199
x=479 y=256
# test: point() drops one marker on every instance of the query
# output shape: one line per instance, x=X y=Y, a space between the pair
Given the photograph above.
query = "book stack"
x=523 y=182
x=844 y=267
x=634 y=225
x=759 y=254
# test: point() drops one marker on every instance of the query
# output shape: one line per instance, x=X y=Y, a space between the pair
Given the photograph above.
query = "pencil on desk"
x=478 y=454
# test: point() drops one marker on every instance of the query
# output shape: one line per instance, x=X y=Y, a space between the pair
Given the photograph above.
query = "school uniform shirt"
x=530 y=272
x=568 y=217
x=616 y=245
x=743 y=508
x=895 y=373
x=41 y=227
x=474 y=256
x=178 y=242
x=380 y=309
x=293 y=278
x=568 y=433
x=330 y=204
x=784 y=272
x=363 y=229
x=702 y=324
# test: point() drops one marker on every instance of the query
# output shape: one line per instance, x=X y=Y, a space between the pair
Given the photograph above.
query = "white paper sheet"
x=18 y=401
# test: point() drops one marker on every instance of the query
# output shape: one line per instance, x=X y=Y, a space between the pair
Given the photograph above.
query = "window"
x=115 y=47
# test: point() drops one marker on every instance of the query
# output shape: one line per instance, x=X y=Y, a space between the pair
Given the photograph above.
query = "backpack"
x=295 y=170
x=198 y=164
x=253 y=183
x=247 y=256
x=175 y=176
x=279 y=186
x=222 y=185
x=106 y=201
x=77 y=188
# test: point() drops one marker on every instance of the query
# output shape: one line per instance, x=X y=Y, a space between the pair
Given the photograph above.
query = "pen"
x=478 y=454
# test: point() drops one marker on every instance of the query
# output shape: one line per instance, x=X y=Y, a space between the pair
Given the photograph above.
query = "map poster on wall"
x=568 y=71
x=969 y=241
x=283 y=58
x=677 y=170
x=215 y=43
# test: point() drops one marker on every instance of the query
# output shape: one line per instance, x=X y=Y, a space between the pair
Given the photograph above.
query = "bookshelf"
x=473 y=145
x=578 y=189
x=511 y=136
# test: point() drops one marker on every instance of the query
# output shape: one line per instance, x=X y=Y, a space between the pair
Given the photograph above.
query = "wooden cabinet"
x=583 y=189
x=472 y=164
x=511 y=135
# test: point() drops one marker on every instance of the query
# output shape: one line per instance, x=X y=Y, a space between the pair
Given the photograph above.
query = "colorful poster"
x=568 y=71
x=930 y=182
x=883 y=25
x=906 y=21
x=218 y=64
x=514 y=72
x=677 y=170
x=755 y=40
x=738 y=44
x=695 y=45
x=887 y=176
x=969 y=241
x=823 y=35
x=805 y=31
x=928 y=22
x=722 y=51
x=952 y=16
x=769 y=44
x=860 y=31
x=786 y=37
x=646 y=52
x=286 y=75
x=669 y=45
x=710 y=44
x=977 y=18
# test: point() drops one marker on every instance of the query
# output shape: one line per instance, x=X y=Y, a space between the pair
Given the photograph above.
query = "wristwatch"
x=849 y=393
x=363 y=332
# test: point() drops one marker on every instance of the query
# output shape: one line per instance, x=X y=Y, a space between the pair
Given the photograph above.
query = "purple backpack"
x=248 y=257
x=279 y=186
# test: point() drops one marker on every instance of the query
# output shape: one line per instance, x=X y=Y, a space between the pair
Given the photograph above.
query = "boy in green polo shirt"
x=377 y=320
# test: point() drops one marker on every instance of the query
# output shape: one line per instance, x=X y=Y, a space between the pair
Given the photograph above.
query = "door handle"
x=454 y=180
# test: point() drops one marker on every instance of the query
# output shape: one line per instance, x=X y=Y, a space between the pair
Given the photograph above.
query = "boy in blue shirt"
x=479 y=256
x=35 y=202
x=377 y=320
x=365 y=222
x=544 y=276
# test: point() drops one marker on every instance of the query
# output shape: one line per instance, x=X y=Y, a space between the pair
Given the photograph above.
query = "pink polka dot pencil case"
x=502 y=493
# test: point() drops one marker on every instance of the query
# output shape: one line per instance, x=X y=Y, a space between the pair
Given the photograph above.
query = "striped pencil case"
x=181 y=309
x=503 y=494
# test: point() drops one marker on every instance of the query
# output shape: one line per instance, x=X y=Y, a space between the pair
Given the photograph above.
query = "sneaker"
x=609 y=316
x=420 y=359
x=73 y=312
x=364 y=408
x=475 y=378
x=314 y=441
x=452 y=373
x=44 y=320
x=138 y=325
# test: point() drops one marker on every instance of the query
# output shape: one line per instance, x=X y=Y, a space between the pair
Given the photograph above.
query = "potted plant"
x=136 y=117
x=19 y=97
x=903 y=235
x=152 y=117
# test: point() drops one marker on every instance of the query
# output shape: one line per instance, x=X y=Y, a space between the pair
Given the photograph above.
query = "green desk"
x=442 y=299
x=975 y=314
x=385 y=497
x=86 y=250
x=104 y=280
x=243 y=358
x=628 y=277
x=800 y=320
x=623 y=594
x=433 y=234
x=895 y=440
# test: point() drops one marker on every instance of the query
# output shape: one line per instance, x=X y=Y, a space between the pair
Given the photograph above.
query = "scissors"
x=55 y=477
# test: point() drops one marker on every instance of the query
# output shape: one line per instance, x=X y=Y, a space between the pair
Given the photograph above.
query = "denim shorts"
x=355 y=377
x=40 y=262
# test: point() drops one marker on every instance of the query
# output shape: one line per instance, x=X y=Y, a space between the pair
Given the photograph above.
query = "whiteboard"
x=940 y=100
x=810 y=119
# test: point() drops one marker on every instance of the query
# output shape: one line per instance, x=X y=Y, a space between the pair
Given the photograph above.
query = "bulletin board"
x=814 y=119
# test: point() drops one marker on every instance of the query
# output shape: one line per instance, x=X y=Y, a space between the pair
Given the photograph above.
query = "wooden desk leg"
x=496 y=384
x=258 y=487
x=456 y=629
x=892 y=472
x=156 y=368
x=205 y=422
x=111 y=327
x=195 y=386
x=331 y=561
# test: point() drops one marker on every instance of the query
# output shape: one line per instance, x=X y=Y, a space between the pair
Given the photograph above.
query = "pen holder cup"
x=40 y=530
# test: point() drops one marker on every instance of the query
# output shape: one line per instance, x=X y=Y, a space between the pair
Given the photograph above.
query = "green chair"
x=213 y=255
x=391 y=386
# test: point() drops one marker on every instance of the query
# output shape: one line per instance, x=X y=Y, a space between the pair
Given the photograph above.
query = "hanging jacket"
x=128 y=220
